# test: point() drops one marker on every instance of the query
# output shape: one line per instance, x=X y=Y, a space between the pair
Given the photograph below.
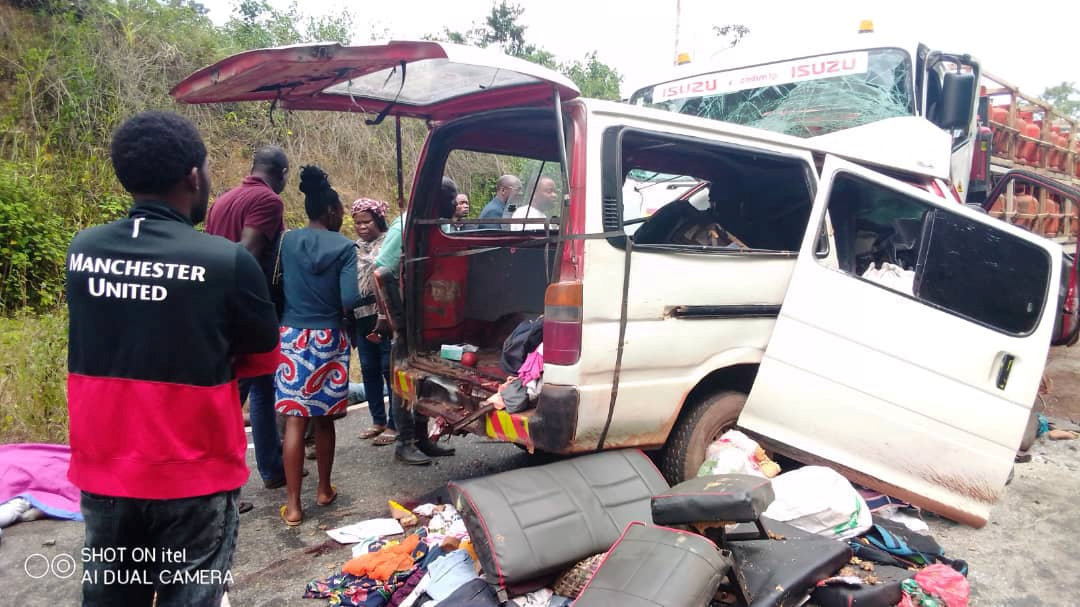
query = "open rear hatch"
x=417 y=79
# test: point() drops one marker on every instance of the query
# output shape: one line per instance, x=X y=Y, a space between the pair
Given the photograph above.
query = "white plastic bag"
x=818 y=500
x=736 y=453
x=892 y=276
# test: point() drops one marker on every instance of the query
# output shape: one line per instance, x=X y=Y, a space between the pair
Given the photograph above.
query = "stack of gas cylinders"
x=1026 y=212
x=1028 y=151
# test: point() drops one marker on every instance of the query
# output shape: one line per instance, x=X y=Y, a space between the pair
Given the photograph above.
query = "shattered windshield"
x=802 y=97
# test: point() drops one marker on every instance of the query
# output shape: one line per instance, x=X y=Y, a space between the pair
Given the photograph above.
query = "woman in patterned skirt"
x=318 y=273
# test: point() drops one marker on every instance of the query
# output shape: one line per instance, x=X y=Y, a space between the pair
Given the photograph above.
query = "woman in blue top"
x=318 y=271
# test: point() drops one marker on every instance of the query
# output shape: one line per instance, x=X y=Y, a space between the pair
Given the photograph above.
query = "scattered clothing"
x=406 y=595
x=387 y=561
x=445 y=523
x=313 y=378
x=449 y=573
x=533 y=367
x=346 y=590
x=37 y=474
x=475 y=593
x=515 y=396
x=938 y=585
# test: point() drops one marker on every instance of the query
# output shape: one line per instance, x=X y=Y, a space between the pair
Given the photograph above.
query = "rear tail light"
x=562 y=323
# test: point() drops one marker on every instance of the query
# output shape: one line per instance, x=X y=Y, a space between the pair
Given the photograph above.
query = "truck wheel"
x=699 y=424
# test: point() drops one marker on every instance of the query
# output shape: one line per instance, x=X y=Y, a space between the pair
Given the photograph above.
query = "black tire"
x=699 y=424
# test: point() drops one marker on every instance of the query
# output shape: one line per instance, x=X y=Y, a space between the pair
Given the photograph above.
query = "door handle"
x=1004 y=370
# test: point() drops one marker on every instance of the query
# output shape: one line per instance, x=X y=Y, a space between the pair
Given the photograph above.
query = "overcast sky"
x=637 y=37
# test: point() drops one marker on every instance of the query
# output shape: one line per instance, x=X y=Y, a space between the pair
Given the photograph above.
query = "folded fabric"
x=533 y=367
x=386 y=562
x=515 y=396
x=450 y=572
x=37 y=473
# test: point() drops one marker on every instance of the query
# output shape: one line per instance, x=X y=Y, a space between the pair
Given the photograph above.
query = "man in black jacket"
x=162 y=319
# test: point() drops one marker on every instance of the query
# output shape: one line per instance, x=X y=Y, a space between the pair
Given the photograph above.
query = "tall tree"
x=501 y=28
x=736 y=32
x=1065 y=98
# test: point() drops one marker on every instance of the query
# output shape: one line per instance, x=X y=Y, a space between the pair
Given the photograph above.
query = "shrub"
x=33 y=241
x=33 y=370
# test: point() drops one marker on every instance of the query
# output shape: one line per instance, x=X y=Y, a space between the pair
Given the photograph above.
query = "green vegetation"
x=72 y=70
x=33 y=401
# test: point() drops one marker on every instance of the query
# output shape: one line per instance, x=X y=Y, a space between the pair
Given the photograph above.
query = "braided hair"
x=319 y=197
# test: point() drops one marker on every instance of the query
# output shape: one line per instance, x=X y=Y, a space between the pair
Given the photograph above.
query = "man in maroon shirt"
x=253 y=215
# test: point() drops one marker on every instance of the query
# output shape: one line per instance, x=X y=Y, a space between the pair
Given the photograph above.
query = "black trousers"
x=180 y=548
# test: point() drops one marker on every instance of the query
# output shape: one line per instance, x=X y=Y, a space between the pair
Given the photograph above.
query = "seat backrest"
x=531 y=522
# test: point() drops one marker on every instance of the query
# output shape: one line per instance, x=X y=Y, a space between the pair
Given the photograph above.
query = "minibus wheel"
x=699 y=424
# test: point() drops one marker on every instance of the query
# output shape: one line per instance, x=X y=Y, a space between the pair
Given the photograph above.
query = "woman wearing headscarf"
x=318 y=271
x=372 y=348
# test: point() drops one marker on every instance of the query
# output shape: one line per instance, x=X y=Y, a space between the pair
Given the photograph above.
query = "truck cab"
x=840 y=308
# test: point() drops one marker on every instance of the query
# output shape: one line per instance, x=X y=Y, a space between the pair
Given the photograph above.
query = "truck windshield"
x=801 y=97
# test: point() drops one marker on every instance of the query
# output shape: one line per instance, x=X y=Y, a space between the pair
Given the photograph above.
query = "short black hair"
x=270 y=157
x=153 y=151
x=319 y=197
x=447 y=193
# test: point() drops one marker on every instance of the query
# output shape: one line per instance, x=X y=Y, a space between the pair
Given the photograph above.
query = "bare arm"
x=254 y=241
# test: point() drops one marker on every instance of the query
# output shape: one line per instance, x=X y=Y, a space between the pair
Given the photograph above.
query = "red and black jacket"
x=159 y=315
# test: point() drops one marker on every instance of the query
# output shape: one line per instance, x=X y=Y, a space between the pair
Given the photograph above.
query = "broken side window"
x=692 y=194
x=938 y=257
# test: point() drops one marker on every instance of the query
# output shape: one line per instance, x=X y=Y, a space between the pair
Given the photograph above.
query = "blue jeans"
x=180 y=548
x=259 y=392
x=375 y=365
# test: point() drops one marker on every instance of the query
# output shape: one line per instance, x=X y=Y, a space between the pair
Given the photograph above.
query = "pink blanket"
x=38 y=473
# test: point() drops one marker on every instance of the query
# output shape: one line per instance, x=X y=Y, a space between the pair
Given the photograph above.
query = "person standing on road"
x=318 y=270
x=160 y=316
x=372 y=347
x=253 y=215
x=414 y=447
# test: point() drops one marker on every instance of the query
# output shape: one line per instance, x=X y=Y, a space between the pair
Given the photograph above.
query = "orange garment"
x=386 y=562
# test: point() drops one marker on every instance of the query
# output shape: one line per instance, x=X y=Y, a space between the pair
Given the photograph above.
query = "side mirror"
x=957 y=101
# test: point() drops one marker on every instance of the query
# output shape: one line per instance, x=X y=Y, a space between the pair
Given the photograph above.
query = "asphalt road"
x=1025 y=556
x=273 y=562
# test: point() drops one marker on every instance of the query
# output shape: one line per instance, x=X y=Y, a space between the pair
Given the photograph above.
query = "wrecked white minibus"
x=841 y=309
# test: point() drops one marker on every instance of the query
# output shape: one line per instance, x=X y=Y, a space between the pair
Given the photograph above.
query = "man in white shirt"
x=544 y=201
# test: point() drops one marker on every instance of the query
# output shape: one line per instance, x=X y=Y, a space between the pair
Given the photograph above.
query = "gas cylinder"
x=1020 y=124
x=1052 y=157
x=1029 y=150
x=1000 y=116
x=1027 y=207
x=1051 y=223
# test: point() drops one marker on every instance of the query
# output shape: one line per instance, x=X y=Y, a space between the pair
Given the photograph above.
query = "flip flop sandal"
x=384 y=439
x=287 y=521
x=332 y=488
x=372 y=432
